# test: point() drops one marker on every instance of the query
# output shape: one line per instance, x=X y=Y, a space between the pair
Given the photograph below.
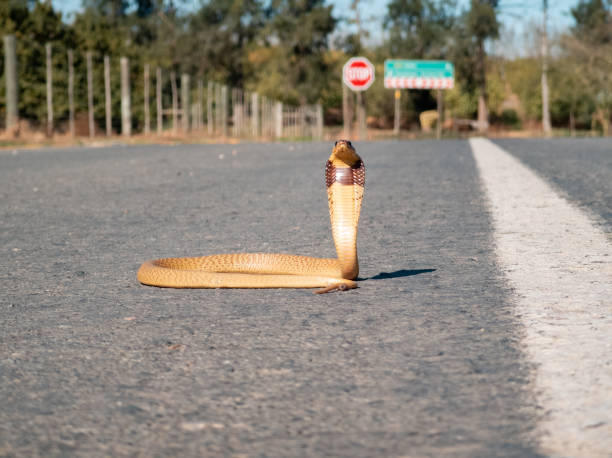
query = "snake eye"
x=349 y=143
x=336 y=143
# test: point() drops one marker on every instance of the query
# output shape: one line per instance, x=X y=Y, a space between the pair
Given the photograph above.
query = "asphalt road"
x=424 y=359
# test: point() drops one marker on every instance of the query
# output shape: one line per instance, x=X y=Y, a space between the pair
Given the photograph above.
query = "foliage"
x=418 y=28
x=283 y=49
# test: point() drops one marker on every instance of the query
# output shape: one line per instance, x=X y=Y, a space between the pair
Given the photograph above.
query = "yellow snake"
x=345 y=179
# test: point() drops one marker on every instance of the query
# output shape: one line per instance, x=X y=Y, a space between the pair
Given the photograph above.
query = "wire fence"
x=86 y=94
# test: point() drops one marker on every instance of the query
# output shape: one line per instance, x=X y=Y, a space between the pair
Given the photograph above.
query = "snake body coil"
x=345 y=180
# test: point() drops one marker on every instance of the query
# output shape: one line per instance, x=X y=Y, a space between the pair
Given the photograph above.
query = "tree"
x=482 y=24
x=291 y=65
x=419 y=28
x=589 y=48
x=217 y=38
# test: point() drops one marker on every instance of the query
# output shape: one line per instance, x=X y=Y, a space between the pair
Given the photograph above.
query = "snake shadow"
x=398 y=274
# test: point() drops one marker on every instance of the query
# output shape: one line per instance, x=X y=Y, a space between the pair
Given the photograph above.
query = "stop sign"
x=358 y=73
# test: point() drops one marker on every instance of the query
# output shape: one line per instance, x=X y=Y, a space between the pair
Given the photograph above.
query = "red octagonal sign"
x=358 y=73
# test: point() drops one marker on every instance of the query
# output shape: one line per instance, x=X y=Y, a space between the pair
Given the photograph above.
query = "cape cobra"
x=345 y=179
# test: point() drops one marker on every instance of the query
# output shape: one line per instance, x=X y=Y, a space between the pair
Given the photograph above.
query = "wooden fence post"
x=200 y=116
x=107 y=96
x=158 y=96
x=278 y=118
x=147 y=114
x=185 y=102
x=49 y=90
x=218 y=109
x=235 y=114
x=255 y=114
x=319 y=134
x=224 y=111
x=90 y=106
x=12 y=89
x=71 y=92
x=174 y=102
x=209 y=108
x=264 y=116
x=126 y=114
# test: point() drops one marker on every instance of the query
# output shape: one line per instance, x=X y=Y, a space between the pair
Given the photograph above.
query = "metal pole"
x=545 y=105
x=361 y=115
x=71 y=92
x=107 y=96
x=158 y=96
x=12 y=88
x=90 y=107
x=439 y=121
x=396 y=120
x=126 y=115
x=147 y=114
x=49 y=91
x=346 y=112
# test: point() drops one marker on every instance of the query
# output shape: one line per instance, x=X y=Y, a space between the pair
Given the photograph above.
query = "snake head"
x=344 y=152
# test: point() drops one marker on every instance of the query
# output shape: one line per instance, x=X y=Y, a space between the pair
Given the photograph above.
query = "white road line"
x=560 y=266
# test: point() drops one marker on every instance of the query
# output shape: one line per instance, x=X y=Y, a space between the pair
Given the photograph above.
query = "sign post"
x=358 y=75
x=420 y=74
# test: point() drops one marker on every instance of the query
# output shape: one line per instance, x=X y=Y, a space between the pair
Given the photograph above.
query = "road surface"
x=432 y=356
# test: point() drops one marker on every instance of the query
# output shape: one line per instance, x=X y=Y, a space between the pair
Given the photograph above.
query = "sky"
x=519 y=17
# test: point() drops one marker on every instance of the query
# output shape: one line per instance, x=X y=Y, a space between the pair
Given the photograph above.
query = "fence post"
x=174 y=102
x=278 y=130
x=126 y=115
x=319 y=122
x=235 y=114
x=255 y=113
x=10 y=70
x=200 y=117
x=71 y=92
x=107 y=96
x=147 y=114
x=265 y=123
x=209 y=108
x=90 y=107
x=185 y=102
x=158 y=101
x=224 y=111
x=218 y=110
x=49 y=90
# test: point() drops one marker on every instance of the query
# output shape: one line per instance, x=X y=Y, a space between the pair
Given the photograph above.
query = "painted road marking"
x=560 y=266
